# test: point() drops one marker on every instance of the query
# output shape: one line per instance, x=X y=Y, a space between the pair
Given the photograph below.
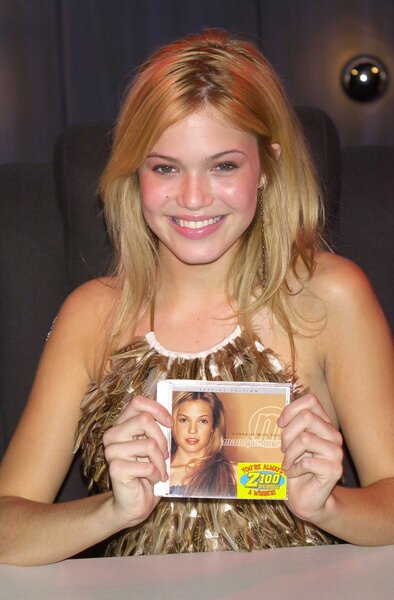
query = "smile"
x=196 y=224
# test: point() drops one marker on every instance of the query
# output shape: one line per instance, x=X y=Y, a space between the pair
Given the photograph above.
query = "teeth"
x=196 y=224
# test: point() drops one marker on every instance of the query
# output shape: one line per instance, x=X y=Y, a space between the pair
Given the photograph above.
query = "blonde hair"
x=231 y=76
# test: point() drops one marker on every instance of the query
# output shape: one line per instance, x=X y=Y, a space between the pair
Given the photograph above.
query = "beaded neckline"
x=155 y=344
x=217 y=525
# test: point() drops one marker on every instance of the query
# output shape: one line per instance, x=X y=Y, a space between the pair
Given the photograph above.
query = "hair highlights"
x=213 y=69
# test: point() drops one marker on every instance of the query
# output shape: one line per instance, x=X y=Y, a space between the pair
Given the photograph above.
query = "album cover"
x=225 y=442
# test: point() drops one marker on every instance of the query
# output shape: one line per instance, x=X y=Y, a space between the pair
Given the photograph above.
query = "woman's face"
x=193 y=426
x=199 y=187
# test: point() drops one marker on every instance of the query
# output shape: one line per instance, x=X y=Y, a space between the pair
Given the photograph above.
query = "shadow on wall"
x=315 y=49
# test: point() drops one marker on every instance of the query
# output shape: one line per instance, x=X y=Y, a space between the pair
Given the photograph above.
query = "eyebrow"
x=213 y=157
x=183 y=415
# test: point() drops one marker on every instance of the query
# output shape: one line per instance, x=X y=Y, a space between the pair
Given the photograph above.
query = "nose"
x=192 y=427
x=194 y=192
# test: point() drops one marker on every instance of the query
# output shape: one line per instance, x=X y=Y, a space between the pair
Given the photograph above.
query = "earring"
x=260 y=201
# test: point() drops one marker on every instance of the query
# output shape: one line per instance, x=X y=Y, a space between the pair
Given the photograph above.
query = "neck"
x=184 y=282
x=192 y=311
x=182 y=458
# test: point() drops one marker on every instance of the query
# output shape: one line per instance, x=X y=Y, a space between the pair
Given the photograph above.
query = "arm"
x=33 y=529
x=357 y=355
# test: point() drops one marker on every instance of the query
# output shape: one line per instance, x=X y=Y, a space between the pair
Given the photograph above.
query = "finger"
x=142 y=424
x=141 y=451
x=308 y=445
x=307 y=421
x=325 y=470
x=125 y=471
x=141 y=404
x=307 y=402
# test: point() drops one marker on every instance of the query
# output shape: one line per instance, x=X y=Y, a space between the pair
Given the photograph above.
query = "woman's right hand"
x=136 y=450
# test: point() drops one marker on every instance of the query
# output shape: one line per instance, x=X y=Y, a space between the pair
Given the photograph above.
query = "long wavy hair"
x=231 y=76
x=213 y=474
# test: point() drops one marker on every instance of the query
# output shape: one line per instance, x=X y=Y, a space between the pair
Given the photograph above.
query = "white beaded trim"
x=154 y=343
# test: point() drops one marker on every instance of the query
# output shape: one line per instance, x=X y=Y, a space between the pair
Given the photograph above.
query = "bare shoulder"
x=91 y=304
x=338 y=278
x=98 y=295
x=337 y=290
x=356 y=352
x=85 y=319
x=349 y=299
x=343 y=287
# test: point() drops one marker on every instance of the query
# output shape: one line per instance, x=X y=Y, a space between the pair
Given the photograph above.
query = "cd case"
x=225 y=442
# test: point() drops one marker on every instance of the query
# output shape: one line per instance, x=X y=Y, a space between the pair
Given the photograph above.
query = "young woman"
x=213 y=206
x=198 y=464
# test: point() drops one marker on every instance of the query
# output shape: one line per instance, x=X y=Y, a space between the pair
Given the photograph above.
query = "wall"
x=310 y=42
x=65 y=61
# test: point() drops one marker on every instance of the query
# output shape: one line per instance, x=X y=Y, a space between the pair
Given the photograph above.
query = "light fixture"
x=364 y=78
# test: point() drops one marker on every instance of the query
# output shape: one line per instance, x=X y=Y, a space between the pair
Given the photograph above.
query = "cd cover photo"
x=225 y=442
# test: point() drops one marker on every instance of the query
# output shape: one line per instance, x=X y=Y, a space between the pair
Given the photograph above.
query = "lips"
x=196 y=229
x=192 y=441
x=196 y=224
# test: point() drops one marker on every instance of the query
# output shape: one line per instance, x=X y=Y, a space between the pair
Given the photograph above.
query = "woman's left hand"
x=313 y=457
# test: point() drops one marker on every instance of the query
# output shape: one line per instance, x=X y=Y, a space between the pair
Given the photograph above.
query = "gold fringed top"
x=187 y=525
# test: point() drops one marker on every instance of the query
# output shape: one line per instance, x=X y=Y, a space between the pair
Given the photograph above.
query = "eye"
x=164 y=169
x=204 y=421
x=182 y=420
x=226 y=166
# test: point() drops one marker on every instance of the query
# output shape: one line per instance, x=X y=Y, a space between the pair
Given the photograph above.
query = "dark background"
x=67 y=61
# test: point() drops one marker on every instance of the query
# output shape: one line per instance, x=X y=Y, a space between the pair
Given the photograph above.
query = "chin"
x=196 y=259
x=199 y=261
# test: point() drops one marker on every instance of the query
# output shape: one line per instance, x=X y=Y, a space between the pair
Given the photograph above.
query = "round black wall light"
x=364 y=78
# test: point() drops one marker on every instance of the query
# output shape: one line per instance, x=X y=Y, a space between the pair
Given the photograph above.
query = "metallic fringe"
x=187 y=525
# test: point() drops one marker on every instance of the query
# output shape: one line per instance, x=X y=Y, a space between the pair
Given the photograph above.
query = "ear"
x=277 y=149
x=262 y=181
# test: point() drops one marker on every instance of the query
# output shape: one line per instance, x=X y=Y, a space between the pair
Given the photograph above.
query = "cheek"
x=250 y=208
x=250 y=198
x=148 y=193
x=154 y=193
x=176 y=434
x=242 y=198
x=207 y=431
x=250 y=204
